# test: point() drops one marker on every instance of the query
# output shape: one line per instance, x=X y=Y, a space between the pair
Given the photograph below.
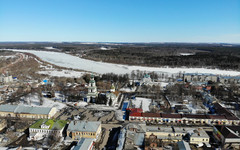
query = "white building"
x=146 y=79
x=199 y=136
x=92 y=89
x=45 y=127
x=5 y=79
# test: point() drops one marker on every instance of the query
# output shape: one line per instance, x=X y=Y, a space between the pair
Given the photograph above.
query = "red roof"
x=135 y=112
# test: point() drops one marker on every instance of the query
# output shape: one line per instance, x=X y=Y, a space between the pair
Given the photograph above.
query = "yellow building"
x=21 y=111
x=83 y=129
x=3 y=124
x=175 y=134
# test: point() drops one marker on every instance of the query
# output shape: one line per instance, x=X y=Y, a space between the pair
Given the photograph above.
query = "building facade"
x=190 y=119
x=45 y=127
x=202 y=77
x=28 y=112
x=83 y=129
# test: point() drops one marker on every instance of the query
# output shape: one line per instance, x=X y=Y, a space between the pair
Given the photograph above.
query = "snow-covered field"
x=145 y=102
x=33 y=100
x=62 y=73
x=69 y=61
x=126 y=89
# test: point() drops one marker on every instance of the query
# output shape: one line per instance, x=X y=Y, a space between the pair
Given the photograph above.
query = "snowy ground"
x=80 y=103
x=50 y=48
x=62 y=73
x=187 y=54
x=101 y=107
x=126 y=89
x=69 y=61
x=6 y=57
x=145 y=102
x=119 y=115
x=33 y=100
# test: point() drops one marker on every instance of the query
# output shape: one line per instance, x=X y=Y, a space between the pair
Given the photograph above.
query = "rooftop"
x=25 y=109
x=199 y=132
x=229 y=131
x=84 y=126
x=83 y=144
x=54 y=124
x=169 y=129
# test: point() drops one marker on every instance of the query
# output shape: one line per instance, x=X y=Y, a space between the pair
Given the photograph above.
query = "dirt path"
x=21 y=57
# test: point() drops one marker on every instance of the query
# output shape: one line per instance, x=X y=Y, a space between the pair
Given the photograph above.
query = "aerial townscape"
x=59 y=97
x=120 y=75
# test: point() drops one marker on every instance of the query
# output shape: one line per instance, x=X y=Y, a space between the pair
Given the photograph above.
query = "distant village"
x=141 y=111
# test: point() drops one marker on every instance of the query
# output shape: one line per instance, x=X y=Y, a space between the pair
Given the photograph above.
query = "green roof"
x=54 y=124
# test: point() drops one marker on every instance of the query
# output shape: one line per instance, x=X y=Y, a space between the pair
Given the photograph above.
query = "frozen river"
x=69 y=61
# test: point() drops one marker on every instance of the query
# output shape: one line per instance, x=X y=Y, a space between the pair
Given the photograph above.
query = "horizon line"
x=91 y=42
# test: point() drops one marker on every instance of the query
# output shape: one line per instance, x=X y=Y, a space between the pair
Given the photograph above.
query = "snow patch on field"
x=144 y=102
x=49 y=48
x=34 y=100
x=126 y=89
x=62 y=73
x=187 y=54
x=9 y=56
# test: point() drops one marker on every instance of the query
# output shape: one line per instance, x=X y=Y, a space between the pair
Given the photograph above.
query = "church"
x=92 y=90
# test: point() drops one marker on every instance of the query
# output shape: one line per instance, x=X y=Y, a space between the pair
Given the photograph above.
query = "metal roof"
x=8 y=108
x=25 y=109
x=83 y=144
x=84 y=126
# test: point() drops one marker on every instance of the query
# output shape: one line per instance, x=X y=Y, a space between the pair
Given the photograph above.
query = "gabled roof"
x=8 y=108
x=25 y=109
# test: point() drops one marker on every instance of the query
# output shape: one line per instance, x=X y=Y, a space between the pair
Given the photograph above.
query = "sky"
x=120 y=20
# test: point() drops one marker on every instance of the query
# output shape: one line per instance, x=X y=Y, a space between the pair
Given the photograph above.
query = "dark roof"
x=223 y=111
x=229 y=131
x=151 y=115
x=195 y=116
x=171 y=115
x=216 y=117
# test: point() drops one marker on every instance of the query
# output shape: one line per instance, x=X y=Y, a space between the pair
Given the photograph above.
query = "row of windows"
x=44 y=131
x=202 y=140
x=85 y=133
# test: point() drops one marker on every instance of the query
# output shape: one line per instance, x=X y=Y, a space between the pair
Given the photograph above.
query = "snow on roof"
x=142 y=102
x=89 y=126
